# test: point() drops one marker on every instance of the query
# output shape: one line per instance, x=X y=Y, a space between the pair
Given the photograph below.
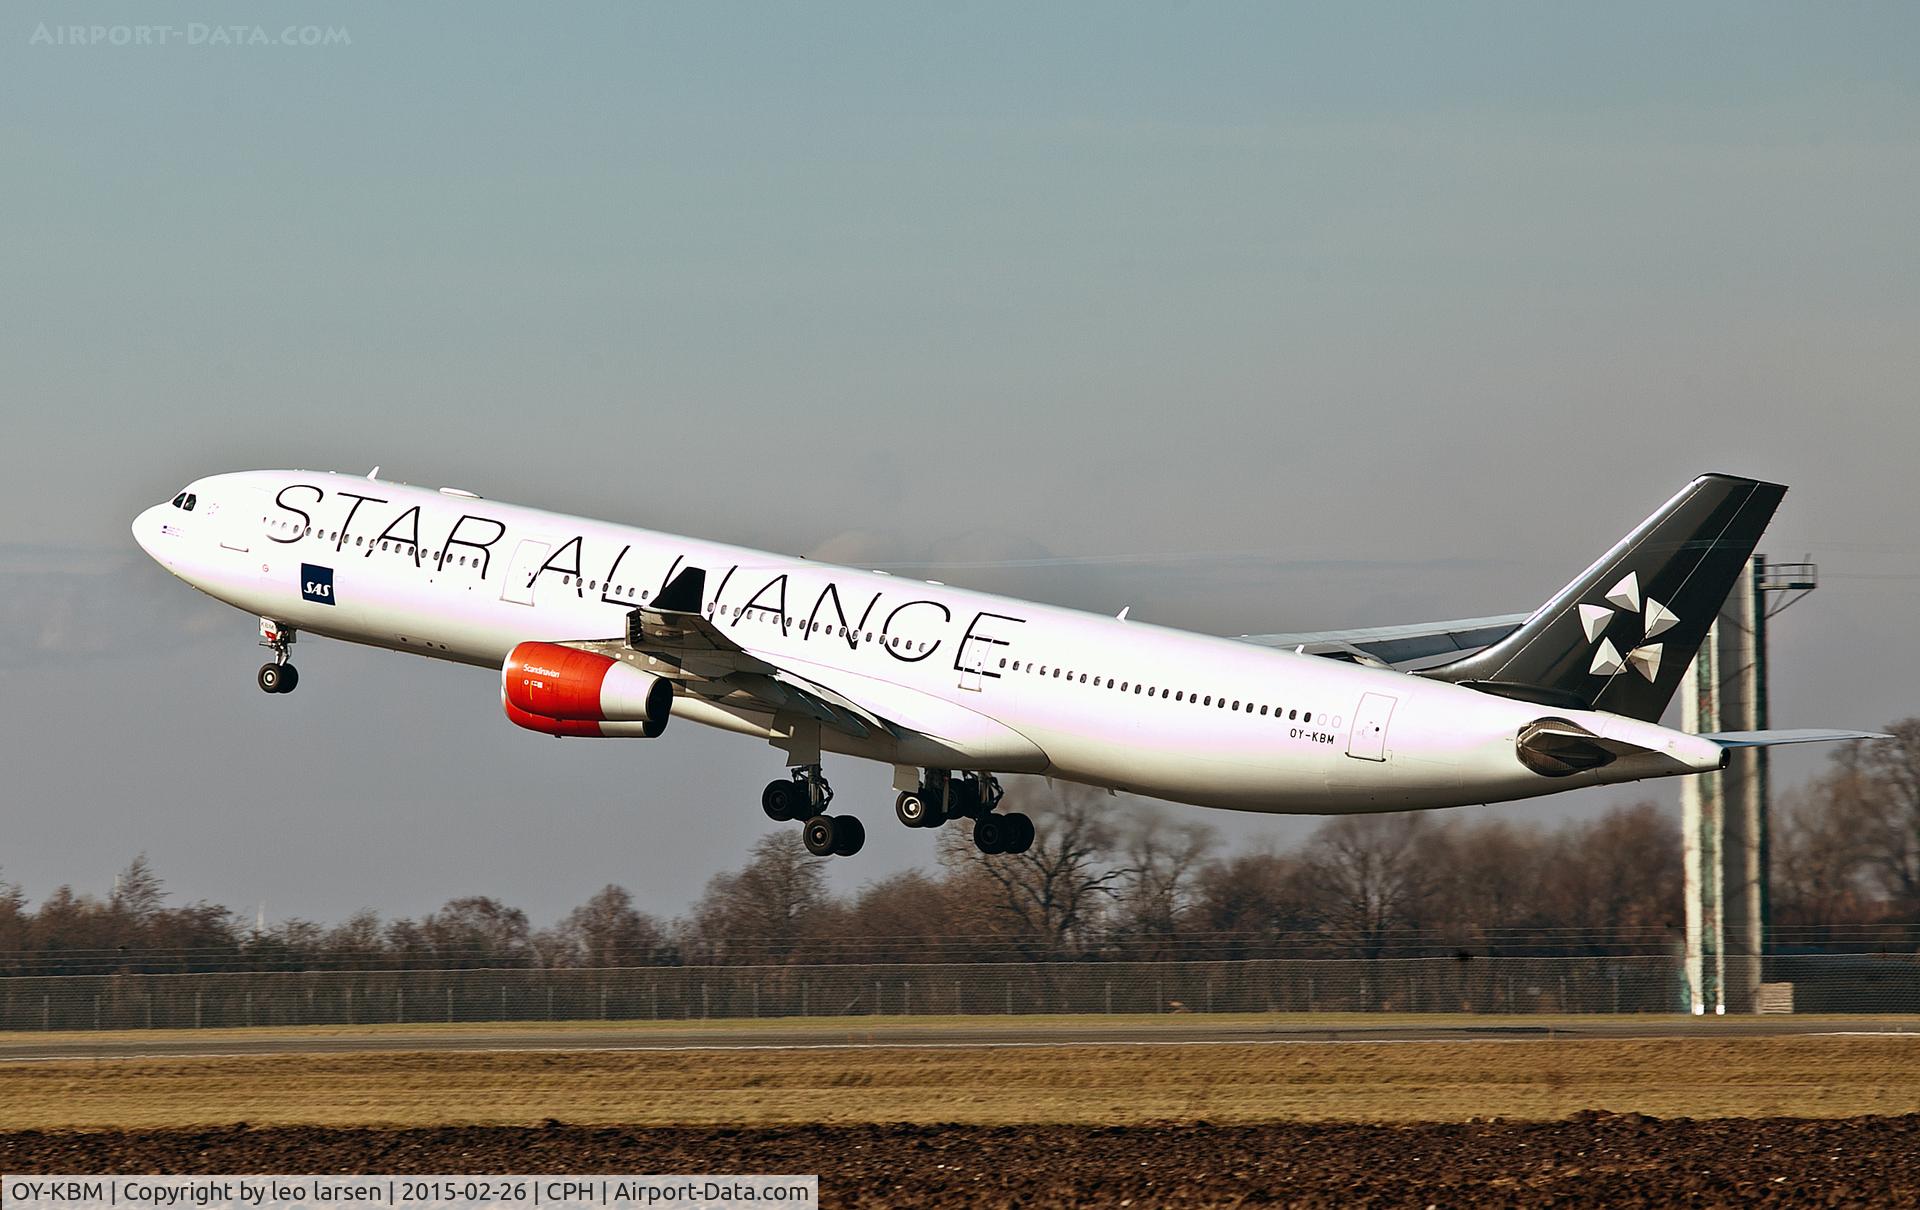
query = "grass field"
x=1117 y=1083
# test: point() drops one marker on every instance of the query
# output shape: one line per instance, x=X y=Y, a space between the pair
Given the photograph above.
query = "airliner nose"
x=146 y=528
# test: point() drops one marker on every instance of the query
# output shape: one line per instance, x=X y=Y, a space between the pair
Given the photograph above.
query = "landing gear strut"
x=805 y=796
x=279 y=676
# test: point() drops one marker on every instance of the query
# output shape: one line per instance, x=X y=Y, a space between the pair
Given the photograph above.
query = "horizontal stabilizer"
x=1399 y=644
x=1803 y=735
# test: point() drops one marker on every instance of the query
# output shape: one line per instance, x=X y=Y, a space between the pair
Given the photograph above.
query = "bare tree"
x=1486 y=883
x=1617 y=880
x=138 y=893
x=907 y=917
x=606 y=930
x=1372 y=873
x=1887 y=776
x=1249 y=902
x=14 y=923
x=1819 y=865
x=1163 y=859
x=1049 y=898
x=476 y=930
x=765 y=911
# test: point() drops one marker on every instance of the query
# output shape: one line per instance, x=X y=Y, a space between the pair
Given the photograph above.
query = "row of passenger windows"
x=397 y=547
x=893 y=641
x=1177 y=695
x=613 y=590
x=898 y=643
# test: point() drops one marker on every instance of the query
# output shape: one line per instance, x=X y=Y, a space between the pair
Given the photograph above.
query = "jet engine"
x=560 y=690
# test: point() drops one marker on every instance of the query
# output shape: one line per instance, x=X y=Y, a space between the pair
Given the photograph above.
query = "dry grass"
x=1116 y=1084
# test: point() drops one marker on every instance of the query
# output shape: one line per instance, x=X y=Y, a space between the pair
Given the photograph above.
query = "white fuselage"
x=975 y=681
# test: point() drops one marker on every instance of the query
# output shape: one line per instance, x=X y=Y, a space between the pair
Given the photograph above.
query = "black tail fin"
x=1620 y=637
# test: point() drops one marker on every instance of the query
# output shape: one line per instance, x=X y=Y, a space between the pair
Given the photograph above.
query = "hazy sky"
x=1295 y=316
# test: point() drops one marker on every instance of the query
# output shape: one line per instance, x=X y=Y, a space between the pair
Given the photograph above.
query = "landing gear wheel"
x=848 y=835
x=289 y=678
x=963 y=798
x=1020 y=825
x=270 y=678
x=818 y=835
x=990 y=834
x=784 y=800
x=916 y=810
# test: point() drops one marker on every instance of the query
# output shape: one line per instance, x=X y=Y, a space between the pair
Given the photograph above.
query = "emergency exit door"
x=528 y=558
x=1369 y=738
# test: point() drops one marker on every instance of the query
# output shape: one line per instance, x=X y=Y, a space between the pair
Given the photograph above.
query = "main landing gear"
x=805 y=796
x=278 y=676
x=940 y=798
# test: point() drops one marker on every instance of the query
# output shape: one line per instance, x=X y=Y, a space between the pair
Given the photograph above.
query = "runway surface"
x=854 y=1033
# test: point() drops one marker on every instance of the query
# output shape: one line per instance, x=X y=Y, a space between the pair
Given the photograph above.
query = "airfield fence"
x=1821 y=983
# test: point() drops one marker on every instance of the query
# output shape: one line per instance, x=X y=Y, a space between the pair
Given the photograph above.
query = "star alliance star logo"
x=1624 y=598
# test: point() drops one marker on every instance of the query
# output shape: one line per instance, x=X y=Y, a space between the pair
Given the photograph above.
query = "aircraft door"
x=978 y=659
x=1369 y=738
x=528 y=558
x=237 y=516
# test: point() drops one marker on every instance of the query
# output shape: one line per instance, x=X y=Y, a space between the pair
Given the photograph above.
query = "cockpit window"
x=180 y=500
x=192 y=499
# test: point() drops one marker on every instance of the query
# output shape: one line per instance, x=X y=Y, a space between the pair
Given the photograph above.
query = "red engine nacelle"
x=560 y=690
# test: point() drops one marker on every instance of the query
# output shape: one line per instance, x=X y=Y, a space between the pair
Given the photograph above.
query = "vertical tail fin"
x=1621 y=635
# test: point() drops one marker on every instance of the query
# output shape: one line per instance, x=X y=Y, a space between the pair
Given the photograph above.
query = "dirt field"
x=1594 y=1160
x=1832 y=1121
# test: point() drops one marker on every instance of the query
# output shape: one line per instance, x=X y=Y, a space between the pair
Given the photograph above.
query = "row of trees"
x=1104 y=881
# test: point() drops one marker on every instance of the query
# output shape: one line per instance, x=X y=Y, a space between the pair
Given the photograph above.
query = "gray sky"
x=1308 y=316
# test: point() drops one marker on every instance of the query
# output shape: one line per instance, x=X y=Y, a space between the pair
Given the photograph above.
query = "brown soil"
x=1590 y=1159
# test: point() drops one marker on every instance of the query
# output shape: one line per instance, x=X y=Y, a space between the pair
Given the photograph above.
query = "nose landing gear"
x=278 y=676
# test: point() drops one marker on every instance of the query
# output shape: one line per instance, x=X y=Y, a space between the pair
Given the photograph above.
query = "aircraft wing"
x=671 y=638
x=1396 y=645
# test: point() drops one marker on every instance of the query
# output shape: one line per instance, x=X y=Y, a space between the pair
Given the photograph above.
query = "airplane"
x=606 y=630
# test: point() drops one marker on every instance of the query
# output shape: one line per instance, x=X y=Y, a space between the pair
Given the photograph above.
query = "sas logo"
x=316 y=584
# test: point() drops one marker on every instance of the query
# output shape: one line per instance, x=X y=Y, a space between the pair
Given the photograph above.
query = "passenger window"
x=1307 y=717
x=1293 y=714
x=1263 y=711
